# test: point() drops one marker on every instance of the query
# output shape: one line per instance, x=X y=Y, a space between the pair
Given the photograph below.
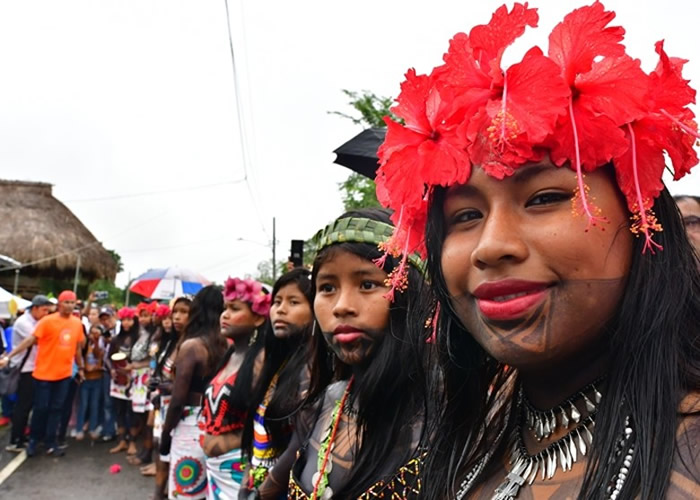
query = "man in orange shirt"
x=59 y=337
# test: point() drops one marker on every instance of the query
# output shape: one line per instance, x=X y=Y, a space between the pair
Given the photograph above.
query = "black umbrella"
x=359 y=154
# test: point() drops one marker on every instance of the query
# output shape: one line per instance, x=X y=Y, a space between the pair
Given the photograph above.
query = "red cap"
x=67 y=295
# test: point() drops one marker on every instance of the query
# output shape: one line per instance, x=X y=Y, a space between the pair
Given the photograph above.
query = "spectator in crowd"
x=108 y=320
x=59 y=337
x=23 y=327
x=690 y=210
x=91 y=387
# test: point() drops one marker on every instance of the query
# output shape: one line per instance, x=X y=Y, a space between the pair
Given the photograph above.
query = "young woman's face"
x=181 y=313
x=290 y=312
x=525 y=277
x=95 y=334
x=145 y=317
x=93 y=316
x=127 y=323
x=167 y=323
x=690 y=210
x=350 y=306
x=238 y=319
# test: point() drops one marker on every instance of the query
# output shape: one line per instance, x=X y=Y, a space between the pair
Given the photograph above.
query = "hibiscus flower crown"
x=249 y=291
x=162 y=311
x=126 y=312
x=586 y=103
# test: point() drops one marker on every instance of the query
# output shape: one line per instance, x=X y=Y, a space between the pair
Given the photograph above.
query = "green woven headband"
x=359 y=230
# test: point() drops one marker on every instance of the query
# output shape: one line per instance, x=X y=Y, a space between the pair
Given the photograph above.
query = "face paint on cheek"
x=357 y=352
x=573 y=313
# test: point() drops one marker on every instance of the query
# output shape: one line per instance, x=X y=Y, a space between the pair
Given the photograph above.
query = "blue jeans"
x=49 y=398
x=108 y=423
x=90 y=395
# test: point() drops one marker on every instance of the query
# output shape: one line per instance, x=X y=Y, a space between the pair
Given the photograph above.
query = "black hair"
x=683 y=197
x=654 y=351
x=288 y=357
x=388 y=396
x=243 y=389
x=125 y=337
x=203 y=323
x=168 y=340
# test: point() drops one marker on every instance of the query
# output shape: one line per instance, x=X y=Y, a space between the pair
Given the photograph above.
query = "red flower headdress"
x=126 y=312
x=249 y=291
x=162 y=311
x=151 y=307
x=587 y=103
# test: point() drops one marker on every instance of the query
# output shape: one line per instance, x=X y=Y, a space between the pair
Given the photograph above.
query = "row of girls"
x=539 y=352
x=265 y=383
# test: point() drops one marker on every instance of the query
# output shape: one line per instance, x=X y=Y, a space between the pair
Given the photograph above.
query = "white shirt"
x=23 y=327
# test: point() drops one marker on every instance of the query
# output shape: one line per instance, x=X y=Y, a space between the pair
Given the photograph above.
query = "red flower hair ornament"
x=586 y=103
x=249 y=291
x=126 y=313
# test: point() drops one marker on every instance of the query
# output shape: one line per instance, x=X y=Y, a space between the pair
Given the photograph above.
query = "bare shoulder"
x=191 y=347
x=685 y=474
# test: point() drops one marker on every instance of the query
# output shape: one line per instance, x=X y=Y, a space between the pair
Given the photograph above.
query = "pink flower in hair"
x=249 y=291
x=126 y=313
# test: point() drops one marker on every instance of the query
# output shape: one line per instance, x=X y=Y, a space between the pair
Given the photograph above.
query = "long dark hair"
x=203 y=323
x=389 y=395
x=654 y=361
x=168 y=340
x=289 y=357
x=124 y=336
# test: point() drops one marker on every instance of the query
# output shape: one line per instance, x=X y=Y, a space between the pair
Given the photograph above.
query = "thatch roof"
x=34 y=226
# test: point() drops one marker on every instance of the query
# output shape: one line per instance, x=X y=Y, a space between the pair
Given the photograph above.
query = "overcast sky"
x=112 y=98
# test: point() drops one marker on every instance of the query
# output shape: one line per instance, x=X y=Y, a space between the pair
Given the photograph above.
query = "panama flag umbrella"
x=168 y=283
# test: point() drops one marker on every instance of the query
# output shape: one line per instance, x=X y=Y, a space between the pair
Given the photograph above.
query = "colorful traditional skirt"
x=224 y=474
x=118 y=391
x=187 y=477
x=139 y=390
x=159 y=418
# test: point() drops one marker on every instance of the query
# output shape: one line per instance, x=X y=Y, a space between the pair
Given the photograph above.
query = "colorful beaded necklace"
x=321 y=489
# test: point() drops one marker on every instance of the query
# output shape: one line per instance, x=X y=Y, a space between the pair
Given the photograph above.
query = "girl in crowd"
x=91 y=387
x=278 y=393
x=139 y=365
x=121 y=375
x=690 y=211
x=172 y=331
x=362 y=433
x=569 y=347
x=160 y=338
x=228 y=395
x=200 y=349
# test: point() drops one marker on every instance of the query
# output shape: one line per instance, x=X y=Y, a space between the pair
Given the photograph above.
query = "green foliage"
x=264 y=272
x=372 y=108
x=358 y=191
x=116 y=294
x=117 y=260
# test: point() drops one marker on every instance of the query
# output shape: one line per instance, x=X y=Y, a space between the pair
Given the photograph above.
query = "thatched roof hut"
x=39 y=230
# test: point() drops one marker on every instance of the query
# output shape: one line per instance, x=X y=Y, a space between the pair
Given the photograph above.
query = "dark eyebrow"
x=520 y=176
x=356 y=273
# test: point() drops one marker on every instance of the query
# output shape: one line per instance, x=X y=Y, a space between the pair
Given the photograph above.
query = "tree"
x=264 y=271
x=357 y=190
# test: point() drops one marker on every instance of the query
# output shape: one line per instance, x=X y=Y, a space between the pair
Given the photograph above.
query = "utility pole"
x=14 y=290
x=77 y=276
x=274 y=248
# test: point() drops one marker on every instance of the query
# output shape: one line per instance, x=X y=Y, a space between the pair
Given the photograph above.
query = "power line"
x=151 y=193
x=245 y=153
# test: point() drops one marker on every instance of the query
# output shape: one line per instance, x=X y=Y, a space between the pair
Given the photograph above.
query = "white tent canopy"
x=10 y=304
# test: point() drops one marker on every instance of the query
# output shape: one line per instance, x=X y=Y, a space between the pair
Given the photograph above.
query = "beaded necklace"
x=321 y=489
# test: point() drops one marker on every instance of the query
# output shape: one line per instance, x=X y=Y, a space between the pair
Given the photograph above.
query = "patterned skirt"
x=139 y=390
x=187 y=477
x=224 y=474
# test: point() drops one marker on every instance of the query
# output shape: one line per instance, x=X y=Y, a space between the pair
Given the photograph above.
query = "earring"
x=253 y=338
x=313 y=328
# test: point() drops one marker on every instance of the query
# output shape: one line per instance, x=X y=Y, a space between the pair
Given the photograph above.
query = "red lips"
x=509 y=299
x=347 y=334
